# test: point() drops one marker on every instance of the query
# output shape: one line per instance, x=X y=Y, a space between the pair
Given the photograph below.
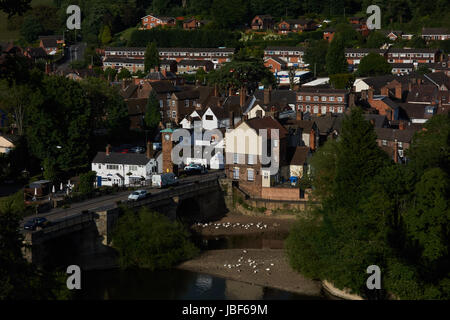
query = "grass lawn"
x=6 y=35
x=125 y=34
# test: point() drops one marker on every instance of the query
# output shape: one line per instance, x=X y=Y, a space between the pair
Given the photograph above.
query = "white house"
x=125 y=168
x=7 y=143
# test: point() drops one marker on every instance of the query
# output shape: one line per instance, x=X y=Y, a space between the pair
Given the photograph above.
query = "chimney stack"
x=216 y=91
x=231 y=120
x=242 y=97
x=351 y=99
x=299 y=115
x=312 y=140
x=267 y=95
x=370 y=94
x=108 y=149
x=395 y=151
x=398 y=91
x=401 y=125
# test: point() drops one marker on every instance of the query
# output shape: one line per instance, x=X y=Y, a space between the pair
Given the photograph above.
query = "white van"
x=163 y=180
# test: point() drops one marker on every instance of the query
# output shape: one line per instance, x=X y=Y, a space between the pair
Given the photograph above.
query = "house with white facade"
x=121 y=169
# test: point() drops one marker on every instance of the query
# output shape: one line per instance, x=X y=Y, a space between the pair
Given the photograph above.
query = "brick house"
x=215 y=55
x=192 y=24
x=402 y=68
x=293 y=56
x=393 y=35
x=275 y=64
x=395 y=141
x=354 y=55
x=262 y=22
x=182 y=103
x=295 y=25
x=384 y=105
x=322 y=100
x=191 y=66
x=431 y=34
x=425 y=55
x=151 y=21
x=244 y=148
x=50 y=45
x=328 y=34
x=132 y=65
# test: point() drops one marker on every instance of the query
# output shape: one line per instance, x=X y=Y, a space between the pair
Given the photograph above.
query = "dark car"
x=35 y=222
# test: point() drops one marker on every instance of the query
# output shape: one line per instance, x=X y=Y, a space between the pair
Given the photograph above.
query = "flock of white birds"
x=252 y=264
x=245 y=226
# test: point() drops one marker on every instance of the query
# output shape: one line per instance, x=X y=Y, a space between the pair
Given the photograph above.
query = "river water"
x=185 y=285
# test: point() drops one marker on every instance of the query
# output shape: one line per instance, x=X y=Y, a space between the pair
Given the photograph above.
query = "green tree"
x=110 y=73
x=323 y=165
x=315 y=56
x=151 y=59
x=105 y=35
x=373 y=65
x=150 y=240
x=335 y=58
x=31 y=28
x=124 y=74
x=229 y=13
x=87 y=180
x=342 y=80
x=152 y=116
x=376 y=40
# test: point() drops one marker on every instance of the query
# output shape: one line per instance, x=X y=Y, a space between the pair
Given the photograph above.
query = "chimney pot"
x=149 y=151
x=108 y=149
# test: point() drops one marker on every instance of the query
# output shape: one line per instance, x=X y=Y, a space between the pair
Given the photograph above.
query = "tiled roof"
x=299 y=156
x=278 y=96
x=121 y=158
x=389 y=134
x=266 y=123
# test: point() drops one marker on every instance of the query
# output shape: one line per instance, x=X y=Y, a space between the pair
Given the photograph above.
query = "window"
x=186 y=103
x=250 y=174
x=161 y=104
x=236 y=173
x=324 y=109
x=275 y=143
x=235 y=158
x=316 y=98
x=133 y=168
x=316 y=109
x=384 y=143
x=400 y=144
x=332 y=109
x=339 y=99
x=331 y=98
x=99 y=166
x=308 y=108
x=209 y=117
x=174 y=114
x=112 y=167
x=308 y=98
x=173 y=103
x=251 y=159
x=300 y=98
x=324 y=98
x=340 y=109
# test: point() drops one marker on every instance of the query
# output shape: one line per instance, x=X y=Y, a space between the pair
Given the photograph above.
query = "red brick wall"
x=288 y=194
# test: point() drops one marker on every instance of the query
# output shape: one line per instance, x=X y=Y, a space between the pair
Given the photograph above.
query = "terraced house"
x=292 y=56
x=322 y=100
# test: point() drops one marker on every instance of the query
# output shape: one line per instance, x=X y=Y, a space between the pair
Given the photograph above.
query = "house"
x=295 y=25
x=395 y=141
x=402 y=68
x=292 y=56
x=354 y=55
x=416 y=113
x=376 y=83
x=262 y=22
x=329 y=126
x=51 y=44
x=182 y=103
x=152 y=21
x=244 y=151
x=217 y=56
x=275 y=64
x=384 y=105
x=136 y=112
x=121 y=169
x=35 y=54
x=432 y=34
x=285 y=99
x=301 y=132
x=322 y=100
x=328 y=34
x=216 y=117
x=298 y=159
x=191 y=66
x=393 y=35
x=168 y=65
x=412 y=55
x=407 y=36
x=192 y=24
x=132 y=65
x=7 y=143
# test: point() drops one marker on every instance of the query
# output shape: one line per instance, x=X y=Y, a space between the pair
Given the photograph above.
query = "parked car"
x=163 y=180
x=36 y=222
x=137 y=195
x=194 y=168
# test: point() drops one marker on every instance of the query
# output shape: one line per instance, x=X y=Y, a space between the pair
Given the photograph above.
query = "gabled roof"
x=328 y=123
x=49 y=43
x=389 y=134
x=267 y=123
x=379 y=120
x=187 y=94
x=163 y=87
x=278 y=96
x=299 y=156
x=121 y=158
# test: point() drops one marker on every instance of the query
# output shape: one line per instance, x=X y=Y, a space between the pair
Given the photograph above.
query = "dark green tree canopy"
x=335 y=58
x=151 y=59
x=373 y=65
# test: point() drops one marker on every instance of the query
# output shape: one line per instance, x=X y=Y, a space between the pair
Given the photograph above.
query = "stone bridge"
x=84 y=239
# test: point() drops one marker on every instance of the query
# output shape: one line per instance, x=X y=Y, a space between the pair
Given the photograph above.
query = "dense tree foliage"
x=151 y=59
x=150 y=240
x=335 y=58
x=373 y=65
x=315 y=56
x=377 y=212
x=152 y=116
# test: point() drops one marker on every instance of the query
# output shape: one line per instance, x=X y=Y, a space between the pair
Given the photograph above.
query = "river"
x=172 y=284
